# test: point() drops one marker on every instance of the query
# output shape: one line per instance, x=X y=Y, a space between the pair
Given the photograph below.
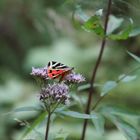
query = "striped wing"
x=56 y=69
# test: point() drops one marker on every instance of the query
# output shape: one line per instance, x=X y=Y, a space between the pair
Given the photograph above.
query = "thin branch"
x=48 y=126
x=91 y=90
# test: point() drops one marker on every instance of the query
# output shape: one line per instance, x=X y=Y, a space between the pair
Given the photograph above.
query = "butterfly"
x=56 y=70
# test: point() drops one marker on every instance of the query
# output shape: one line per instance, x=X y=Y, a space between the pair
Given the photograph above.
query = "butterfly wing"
x=56 y=69
x=54 y=73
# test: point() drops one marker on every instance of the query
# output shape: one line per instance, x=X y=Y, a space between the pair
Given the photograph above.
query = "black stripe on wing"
x=49 y=64
x=57 y=65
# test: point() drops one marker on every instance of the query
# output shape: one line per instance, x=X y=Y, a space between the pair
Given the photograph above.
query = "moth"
x=56 y=70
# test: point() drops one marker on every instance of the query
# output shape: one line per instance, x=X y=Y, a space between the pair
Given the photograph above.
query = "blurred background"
x=33 y=32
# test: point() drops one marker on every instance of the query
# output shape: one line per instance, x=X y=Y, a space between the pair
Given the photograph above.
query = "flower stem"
x=48 y=126
x=91 y=90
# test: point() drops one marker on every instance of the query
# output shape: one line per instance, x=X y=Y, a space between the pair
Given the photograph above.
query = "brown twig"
x=91 y=90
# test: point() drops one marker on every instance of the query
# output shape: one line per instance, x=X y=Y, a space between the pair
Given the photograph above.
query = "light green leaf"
x=93 y=24
x=134 y=56
x=35 y=123
x=81 y=13
x=113 y=24
x=83 y=87
x=28 y=108
x=124 y=34
x=99 y=122
x=114 y=110
x=76 y=99
x=77 y=115
x=126 y=78
x=87 y=86
x=107 y=87
x=128 y=130
x=21 y=109
x=99 y=12
x=61 y=136
x=135 y=32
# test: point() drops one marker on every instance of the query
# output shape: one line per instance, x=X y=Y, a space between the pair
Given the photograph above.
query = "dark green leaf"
x=98 y=122
x=93 y=24
x=134 y=56
x=107 y=87
x=77 y=115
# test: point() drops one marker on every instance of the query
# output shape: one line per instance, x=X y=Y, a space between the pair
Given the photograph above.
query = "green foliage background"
x=33 y=32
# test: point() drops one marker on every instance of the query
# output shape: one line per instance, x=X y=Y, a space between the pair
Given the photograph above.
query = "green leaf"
x=87 y=86
x=127 y=129
x=21 y=109
x=61 y=136
x=99 y=12
x=83 y=87
x=28 y=108
x=98 y=122
x=122 y=35
x=115 y=110
x=107 y=87
x=134 y=32
x=93 y=24
x=134 y=56
x=61 y=108
x=35 y=123
x=126 y=78
x=81 y=13
x=113 y=24
x=77 y=115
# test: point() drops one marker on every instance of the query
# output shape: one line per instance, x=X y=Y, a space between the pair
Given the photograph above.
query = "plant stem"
x=91 y=90
x=48 y=126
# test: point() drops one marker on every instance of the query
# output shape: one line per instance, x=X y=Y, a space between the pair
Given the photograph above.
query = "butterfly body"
x=56 y=69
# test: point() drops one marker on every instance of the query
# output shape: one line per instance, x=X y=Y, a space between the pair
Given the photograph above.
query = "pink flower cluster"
x=55 y=92
x=40 y=72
